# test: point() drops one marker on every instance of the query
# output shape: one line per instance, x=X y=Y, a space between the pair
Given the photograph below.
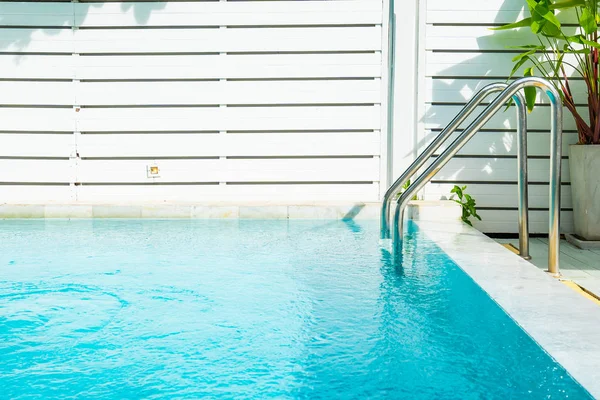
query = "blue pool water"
x=251 y=309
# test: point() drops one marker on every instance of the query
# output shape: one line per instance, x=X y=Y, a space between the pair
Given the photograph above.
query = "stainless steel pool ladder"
x=507 y=92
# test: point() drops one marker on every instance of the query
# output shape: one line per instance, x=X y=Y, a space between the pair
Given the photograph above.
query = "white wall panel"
x=37 y=93
x=473 y=64
x=231 y=144
x=230 y=66
x=505 y=221
x=30 y=40
x=499 y=195
x=482 y=12
x=36 y=145
x=37 y=119
x=228 y=92
x=231 y=170
x=496 y=170
x=226 y=40
x=34 y=194
x=439 y=116
x=505 y=143
x=274 y=101
x=27 y=171
x=228 y=118
x=459 y=91
x=27 y=66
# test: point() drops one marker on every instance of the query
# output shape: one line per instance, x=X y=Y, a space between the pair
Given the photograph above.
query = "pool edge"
x=563 y=323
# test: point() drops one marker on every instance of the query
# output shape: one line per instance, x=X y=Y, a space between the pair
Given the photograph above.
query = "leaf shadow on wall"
x=56 y=19
x=466 y=59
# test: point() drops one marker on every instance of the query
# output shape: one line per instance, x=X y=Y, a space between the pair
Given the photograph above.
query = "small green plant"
x=467 y=203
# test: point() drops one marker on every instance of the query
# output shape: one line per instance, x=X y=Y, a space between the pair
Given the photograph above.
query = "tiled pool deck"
x=577 y=265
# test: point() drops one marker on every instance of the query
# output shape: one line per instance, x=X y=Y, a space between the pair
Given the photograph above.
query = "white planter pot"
x=584 y=163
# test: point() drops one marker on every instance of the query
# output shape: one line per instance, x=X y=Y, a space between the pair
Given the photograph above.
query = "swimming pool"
x=251 y=309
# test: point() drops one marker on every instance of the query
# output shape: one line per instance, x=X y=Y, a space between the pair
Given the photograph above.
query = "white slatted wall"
x=233 y=101
x=461 y=56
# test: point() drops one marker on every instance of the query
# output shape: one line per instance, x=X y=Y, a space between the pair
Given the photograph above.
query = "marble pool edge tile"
x=22 y=211
x=116 y=211
x=219 y=212
x=166 y=211
x=263 y=212
x=68 y=211
x=360 y=211
x=562 y=322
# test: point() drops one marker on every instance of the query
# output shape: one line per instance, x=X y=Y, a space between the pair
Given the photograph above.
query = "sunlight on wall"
x=467 y=92
x=507 y=141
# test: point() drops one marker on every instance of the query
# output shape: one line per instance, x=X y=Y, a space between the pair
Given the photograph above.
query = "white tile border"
x=325 y=211
x=565 y=324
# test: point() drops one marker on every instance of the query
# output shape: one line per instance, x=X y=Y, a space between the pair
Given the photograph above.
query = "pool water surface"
x=116 y=309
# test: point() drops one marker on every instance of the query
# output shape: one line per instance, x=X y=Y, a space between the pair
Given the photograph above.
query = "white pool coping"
x=226 y=210
x=564 y=323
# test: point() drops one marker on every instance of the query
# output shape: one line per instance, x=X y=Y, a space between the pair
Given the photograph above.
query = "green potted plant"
x=564 y=54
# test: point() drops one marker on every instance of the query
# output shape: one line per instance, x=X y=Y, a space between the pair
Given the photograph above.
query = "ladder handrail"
x=423 y=157
x=471 y=130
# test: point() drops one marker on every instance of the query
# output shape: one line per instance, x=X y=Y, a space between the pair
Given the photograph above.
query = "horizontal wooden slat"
x=438 y=116
x=496 y=169
x=462 y=90
x=475 y=64
x=229 y=118
x=18 y=171
x=36 y=14
x=491 y=18
x=229 y=13
x=36 y=145
x=505 y=143
x=483 y=12
x=227 y=40
x=36 y=66
x=37 y=93
x=220 y=193
x=227 y=92
x=28 y=40
x=474 y=16
x=499 y=195
x=488 y=5
x=245 y=144
x=190 y=40
x=232 y=170
x=37 y=119
x=472 y=37
x=230 y=66
x=506 y=222
x=35 y=194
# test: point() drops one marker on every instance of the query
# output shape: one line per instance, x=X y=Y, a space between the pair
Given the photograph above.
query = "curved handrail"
x=467 y=110
x=471 y=130
x=395 y=188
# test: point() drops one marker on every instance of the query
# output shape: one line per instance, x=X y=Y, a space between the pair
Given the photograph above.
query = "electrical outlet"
x=153 y=171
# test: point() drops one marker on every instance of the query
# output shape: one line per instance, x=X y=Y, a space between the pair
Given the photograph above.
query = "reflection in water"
x=352 y=225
